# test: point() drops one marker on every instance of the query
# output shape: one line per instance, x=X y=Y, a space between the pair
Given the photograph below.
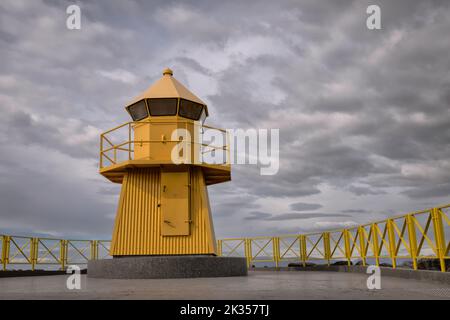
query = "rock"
x=342 y=263
x=300 y=265
x=387 y=265
x=407 y=264
x=431 y=264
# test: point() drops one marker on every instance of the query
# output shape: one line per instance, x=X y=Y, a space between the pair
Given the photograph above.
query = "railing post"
x=94 y=248
x=412 y=239
x=63 y=254
x=101 y=151
x=228 y=148
x=303 y=252
x=129 y=141
x=326 y=247
x=5 y=251
x=348 y=249
x=439 y=236
x=248 y=251
x=219 y=248
x=375 y=247
x=362 y=244
x=276 y=250
x=34 y=243
x=392 y=244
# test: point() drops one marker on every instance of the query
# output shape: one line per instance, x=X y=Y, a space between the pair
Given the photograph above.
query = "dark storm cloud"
x=257 y=215
x=301 y=216
x=355 y=211
x=359 y=191
x=426 y=192
x=21 y=129
x=301 y=206
x=364 y=113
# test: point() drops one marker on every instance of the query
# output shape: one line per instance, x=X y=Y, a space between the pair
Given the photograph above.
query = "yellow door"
x=175 y=213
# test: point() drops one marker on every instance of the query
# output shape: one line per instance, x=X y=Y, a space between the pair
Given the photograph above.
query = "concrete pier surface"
x=257 y=285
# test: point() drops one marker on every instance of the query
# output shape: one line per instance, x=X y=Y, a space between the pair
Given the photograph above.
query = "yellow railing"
x=30 y=252
x=117 y=144
x=406 y=238
x=410 y=237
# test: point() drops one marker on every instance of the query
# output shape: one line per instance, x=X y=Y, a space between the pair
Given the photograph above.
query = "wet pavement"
x=258 y=285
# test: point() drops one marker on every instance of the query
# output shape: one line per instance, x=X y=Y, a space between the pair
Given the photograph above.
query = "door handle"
x=169 y=223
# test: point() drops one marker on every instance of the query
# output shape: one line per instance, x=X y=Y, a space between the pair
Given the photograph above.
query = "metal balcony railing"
x=118 y=144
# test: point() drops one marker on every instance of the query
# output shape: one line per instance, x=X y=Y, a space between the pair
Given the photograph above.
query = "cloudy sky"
x=364 y=115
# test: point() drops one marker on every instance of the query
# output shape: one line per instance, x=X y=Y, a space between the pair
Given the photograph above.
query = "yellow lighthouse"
x=163 y=206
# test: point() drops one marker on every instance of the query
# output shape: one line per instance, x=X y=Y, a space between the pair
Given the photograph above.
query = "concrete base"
x=165 y=267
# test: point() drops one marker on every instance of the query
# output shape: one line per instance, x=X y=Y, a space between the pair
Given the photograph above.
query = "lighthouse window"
x=138 y=110
x=190 y=110
x=162 y=106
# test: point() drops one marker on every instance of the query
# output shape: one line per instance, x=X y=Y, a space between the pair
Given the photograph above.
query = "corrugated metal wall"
x=137 y=228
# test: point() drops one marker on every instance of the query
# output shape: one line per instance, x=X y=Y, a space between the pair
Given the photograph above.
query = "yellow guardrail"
x=407 y=238
x=117 y=144
x=30 y=252
x=410 y=237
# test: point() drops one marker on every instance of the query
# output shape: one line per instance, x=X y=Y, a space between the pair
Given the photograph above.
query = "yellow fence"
x=28 y=252
x=407 y=238
x=418 y=235
x=117 y=144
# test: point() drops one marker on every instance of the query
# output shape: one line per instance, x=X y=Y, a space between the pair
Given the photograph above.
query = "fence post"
x=276 y=250
x=94 y=248
x=348 y=249
x=248 y=251
x=129 y=141
x=34 y=243
x=439 y=236
x=375 y=246
x=362 y=244
x=219 y=248
x=412 y=239
x=63 y=253
x=392 y=244
x=303 y=252
x=5 y=251
x=326 y=247
x=101 y=151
